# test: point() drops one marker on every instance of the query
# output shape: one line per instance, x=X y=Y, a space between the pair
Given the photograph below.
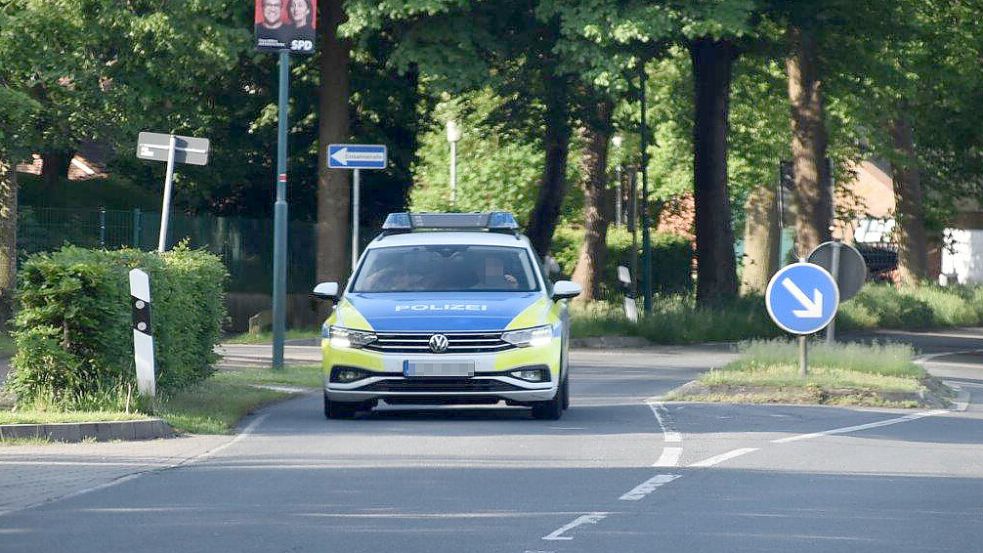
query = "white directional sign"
x=802 y=298
x=357 y=156
x=187 y=149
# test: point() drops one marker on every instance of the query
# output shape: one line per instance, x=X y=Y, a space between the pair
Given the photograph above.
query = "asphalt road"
x=727 y=478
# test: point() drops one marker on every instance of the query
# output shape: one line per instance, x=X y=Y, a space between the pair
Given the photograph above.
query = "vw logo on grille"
x=439 y=343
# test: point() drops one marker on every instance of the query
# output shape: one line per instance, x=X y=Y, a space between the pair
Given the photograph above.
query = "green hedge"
x=672 y=258
x=73 y=329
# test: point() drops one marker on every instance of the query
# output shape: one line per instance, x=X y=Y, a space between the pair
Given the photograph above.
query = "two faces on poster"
x=286 y=25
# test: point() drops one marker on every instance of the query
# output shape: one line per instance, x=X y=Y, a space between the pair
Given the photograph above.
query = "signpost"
x=847 y=266
x=802 y=299
x=356 y=157
x=171 y=149
x=283 y=26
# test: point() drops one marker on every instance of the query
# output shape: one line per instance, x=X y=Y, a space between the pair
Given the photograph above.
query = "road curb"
x=147 y=429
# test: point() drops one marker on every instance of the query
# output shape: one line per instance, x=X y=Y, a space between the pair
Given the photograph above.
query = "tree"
x=333 y=192
x=716 y=278
x=596 y=137
x=809 y=160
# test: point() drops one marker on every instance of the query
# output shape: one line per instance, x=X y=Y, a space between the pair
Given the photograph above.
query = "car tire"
x=339 y=410
x=566 y=393
x=550 y=410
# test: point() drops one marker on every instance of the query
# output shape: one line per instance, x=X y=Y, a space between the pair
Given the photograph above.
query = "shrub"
x=73 y=330
x=672 y=258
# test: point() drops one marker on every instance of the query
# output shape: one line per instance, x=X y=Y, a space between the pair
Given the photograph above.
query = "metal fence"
x=245 y=245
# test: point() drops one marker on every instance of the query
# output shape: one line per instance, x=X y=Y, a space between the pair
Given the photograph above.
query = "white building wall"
x=962 y=256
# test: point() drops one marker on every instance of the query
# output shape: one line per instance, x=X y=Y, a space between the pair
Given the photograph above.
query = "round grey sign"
x=851 y=272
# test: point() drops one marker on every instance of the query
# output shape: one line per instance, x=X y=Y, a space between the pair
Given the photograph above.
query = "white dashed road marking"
x=859 y=427
x=669 y=458
x=649 y=486
x=669 y=433
x=590 y=518
x=717 y=459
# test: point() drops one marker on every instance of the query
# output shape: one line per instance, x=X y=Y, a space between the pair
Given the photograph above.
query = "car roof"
x=476 y=238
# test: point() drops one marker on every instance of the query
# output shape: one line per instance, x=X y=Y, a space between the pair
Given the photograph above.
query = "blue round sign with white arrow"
x=802 y=298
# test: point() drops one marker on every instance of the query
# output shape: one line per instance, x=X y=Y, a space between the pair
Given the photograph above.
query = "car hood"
x=444 y=311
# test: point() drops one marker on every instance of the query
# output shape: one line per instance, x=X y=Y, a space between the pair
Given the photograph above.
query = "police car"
x=447 y=308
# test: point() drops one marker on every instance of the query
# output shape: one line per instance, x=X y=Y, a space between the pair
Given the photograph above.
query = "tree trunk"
x=762 y=240
x=716 y=270
x=333 y=191
x=597 y=209
x=55 y=164
x=909 y=211
x=810 y=167
x=553 y=187
x=8 y=239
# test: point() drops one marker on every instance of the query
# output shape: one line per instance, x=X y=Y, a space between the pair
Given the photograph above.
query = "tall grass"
x=676 y=319
x=883 y=359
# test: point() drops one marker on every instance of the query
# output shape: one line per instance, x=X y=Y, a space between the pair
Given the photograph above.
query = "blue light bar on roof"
x=494 y=220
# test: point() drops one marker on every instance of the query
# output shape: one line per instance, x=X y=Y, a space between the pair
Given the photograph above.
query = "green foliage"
x=676 y=319
x=672 y=259
x=114 y=192
x=884 y=359
x=73 y=330
x=883 y=306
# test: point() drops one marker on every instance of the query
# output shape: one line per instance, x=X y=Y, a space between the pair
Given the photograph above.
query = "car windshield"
x=446 y=268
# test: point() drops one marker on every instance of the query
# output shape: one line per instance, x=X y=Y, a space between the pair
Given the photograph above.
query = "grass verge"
x=840 y=374
x=7 y=346
x=676 y=319
x=267 y=337
x=216 y=405
x=213 y=406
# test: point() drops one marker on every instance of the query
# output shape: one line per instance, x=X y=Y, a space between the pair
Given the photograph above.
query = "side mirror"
x=564 y=290
x=327 y=291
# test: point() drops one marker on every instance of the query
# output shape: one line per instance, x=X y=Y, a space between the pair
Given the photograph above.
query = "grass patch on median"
x=840 y=374
x=216 y=405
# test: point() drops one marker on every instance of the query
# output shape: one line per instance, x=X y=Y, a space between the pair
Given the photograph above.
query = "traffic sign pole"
x=165 y=212
x=803 y=356
x=280 y=218
x=835 y=271
x=356 y=192
x=646 y=238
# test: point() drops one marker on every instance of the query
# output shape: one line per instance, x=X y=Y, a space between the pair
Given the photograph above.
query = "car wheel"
x=566 y=393
x=550 y=410
x=339 y=410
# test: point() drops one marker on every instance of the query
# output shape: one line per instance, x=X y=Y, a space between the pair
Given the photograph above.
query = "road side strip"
x=665 y=422
x=717 y=459
x=669 y=458
x=590 y=518
x=859 y=427
x=649 y=486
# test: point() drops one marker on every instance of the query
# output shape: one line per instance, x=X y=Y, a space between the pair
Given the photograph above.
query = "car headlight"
x=341 y=337
x=529 y=337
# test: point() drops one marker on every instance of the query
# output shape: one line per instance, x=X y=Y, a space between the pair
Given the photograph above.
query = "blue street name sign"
x=357 y=156
x=802 y=298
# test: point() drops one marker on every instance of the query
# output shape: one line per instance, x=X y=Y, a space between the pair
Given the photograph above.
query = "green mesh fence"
x=245 y=245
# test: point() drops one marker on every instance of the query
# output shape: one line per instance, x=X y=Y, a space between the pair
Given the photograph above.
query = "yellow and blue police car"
x=447 y=308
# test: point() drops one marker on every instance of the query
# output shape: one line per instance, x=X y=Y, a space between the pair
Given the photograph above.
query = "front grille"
x=439 y=385
x=458 y=342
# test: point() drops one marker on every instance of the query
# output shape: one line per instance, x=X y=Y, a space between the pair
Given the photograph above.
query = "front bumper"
x=490 y=383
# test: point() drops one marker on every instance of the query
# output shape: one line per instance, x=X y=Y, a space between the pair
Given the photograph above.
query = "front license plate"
x=441 y=369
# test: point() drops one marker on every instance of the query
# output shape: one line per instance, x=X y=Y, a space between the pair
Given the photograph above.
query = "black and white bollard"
x=143 y=339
